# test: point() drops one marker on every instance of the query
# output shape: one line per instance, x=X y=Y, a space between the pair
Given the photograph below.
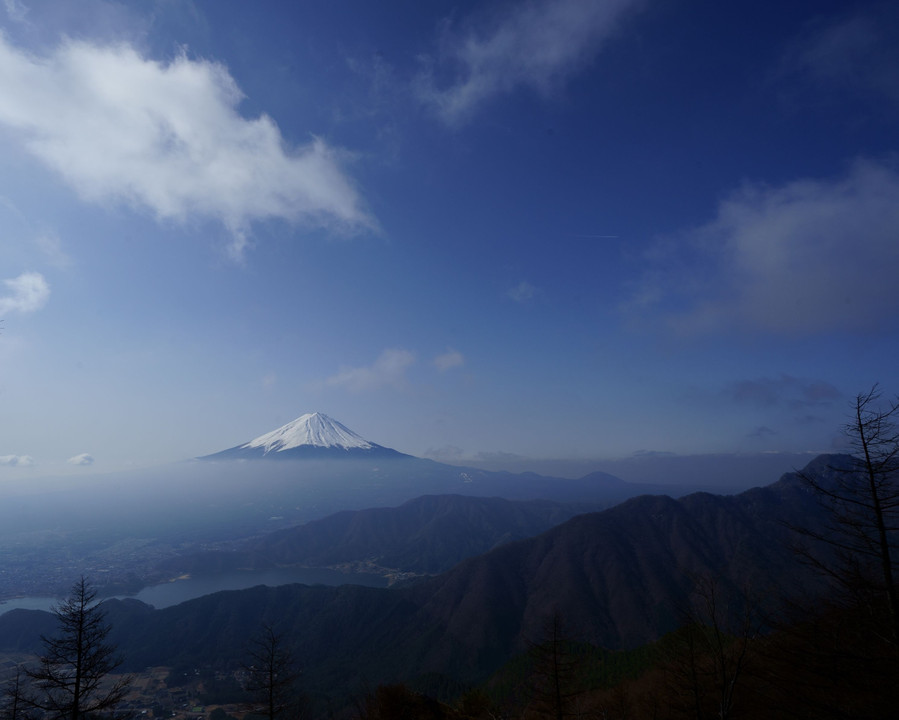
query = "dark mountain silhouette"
x=617 y=577
x=426 y=535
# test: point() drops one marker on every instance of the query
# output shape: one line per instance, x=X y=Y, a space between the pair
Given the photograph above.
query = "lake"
x=178 y=591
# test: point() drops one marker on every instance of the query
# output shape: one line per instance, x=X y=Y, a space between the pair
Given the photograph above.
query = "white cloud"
x=82 y=459
x=168 y=137
x=16 y=460
x=388 y=370
x=807 y=257
x=534 y=45
x=522 y=292
x=448 y=360
x=27 y=293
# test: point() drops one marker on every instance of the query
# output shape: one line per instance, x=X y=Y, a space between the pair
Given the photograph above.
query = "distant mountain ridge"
x=220 y=503
x=423 y=536
x=313 y=436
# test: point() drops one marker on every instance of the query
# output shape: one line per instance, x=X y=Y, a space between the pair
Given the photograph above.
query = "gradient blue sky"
x=570 y=229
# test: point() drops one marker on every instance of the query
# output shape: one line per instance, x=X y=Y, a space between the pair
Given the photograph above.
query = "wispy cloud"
x=15 y=10
x=762 y=432
x=117 y=126
x=448 y=360
x=17 y=460
x=26 y=293
x=83 y=459
x=446 y=453
x=534 y=45
x=811 y=256
x=784 y=390
x=858 y=51
x=522 y=292
x=388 y=370
x=51 y=246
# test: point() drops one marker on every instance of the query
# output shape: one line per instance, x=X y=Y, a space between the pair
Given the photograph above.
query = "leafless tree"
x=556 y=682
x=67 y=682
x=272 y=675
x=862 y=503
x=709 y=655
x=14 y=703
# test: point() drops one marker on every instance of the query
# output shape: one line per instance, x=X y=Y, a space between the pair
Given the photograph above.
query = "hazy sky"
x=552 y=229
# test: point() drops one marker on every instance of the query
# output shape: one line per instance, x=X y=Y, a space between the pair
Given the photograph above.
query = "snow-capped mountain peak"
x=313 y=436
x=312 y=429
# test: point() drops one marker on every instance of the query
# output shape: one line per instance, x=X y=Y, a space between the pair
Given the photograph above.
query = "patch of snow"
x=314 y=429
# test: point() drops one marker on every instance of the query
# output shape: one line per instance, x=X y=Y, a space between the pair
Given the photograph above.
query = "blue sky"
x=571 y=229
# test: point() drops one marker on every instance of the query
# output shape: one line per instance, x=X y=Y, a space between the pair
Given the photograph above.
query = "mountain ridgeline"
x=423 y=536
x=373 y=475
x=129 y=528
x=619 y=578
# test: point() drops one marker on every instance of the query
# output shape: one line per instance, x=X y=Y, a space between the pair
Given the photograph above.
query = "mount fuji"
x=310 y=436
x=326 y=467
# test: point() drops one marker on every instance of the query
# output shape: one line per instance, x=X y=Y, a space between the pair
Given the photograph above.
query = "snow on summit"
x=311 y=429
x=313 y=436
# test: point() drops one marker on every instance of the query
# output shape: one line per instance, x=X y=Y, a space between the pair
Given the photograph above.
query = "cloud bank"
x=25 y=294
x=534 y=45
x=810 y=256
x=168 y=137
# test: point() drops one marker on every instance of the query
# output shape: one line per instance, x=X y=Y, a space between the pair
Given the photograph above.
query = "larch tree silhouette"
x=862 y=500
x=67 y=682
x=272 y=676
